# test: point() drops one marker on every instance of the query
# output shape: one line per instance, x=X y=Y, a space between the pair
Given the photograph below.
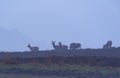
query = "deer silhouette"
x=74 y=46
x=108 y=44
x=63 y=47
x=56 y=47
x=60 y=46
x=33 y=48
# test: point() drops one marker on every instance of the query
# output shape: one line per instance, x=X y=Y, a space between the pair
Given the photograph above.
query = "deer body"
x=63 y=47
x=74 y=46
x=34 y=48
x=108 y=44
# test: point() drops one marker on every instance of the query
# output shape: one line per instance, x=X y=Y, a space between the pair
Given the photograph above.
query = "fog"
x=90 y=22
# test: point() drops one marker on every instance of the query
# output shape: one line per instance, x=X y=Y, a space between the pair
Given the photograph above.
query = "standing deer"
x=108 y=44
x=34 y=48
x=56 y=47
x=74 y=46
x=63 y=47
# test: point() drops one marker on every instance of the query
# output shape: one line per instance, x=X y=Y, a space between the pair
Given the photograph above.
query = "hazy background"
x=90 y=22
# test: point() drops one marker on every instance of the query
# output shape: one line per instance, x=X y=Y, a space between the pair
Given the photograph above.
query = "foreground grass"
x=55 y=67
x=27 y=76
x=30 y=70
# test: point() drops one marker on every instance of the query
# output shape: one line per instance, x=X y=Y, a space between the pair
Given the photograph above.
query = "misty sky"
x=90 y=22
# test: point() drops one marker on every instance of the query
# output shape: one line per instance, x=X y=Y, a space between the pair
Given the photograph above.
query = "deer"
x=63 y=47
x=108 y=44
x=56 y=47
x=33 y=48
x=74 y=46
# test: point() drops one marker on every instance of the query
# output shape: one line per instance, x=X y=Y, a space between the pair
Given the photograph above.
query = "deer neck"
x=54 y=45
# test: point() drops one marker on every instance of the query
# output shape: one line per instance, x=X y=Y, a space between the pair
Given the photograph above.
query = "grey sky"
x=90 y=22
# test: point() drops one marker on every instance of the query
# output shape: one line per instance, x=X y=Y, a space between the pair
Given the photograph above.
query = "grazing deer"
x=63 y=47
x=74 y=46
x=108 y=44
x=35 y=48
x=56 y=47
